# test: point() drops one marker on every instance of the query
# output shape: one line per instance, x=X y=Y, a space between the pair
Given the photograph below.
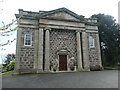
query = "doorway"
x=62 y=62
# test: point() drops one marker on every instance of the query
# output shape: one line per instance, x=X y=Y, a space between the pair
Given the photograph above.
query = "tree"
x=10 y=66
x=109 y=33
x=6 y=30
x=9 y=58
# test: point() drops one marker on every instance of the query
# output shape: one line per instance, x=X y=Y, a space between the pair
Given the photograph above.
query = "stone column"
x=79 y=56
x=47 y=50
x=40 y=50
x=98 y=49
x=36 y=49
x=85 y=51
x=18 y=48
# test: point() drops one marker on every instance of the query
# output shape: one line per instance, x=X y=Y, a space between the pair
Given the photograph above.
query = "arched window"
x=91 y=42
x=28 y=39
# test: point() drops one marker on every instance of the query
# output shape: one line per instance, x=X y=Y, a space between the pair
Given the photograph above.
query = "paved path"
x=93 y=79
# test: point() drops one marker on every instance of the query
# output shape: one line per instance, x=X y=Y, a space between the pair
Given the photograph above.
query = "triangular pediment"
x=61 y=14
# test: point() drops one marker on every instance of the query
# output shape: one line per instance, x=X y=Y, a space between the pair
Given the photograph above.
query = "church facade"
x=56 y=40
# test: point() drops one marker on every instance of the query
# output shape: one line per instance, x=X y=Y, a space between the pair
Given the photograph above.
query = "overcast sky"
x=81 y=7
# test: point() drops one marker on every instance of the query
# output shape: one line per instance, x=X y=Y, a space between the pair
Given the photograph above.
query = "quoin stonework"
x=56 y=40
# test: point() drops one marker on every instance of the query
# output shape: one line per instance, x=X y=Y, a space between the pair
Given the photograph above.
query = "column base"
x=96 y=68
x=86 y=69
x=101 y=68
x=47 y=70
x=39 y=71
x=80 y=69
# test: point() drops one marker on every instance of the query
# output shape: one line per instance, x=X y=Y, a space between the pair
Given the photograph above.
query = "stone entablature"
x=60 y=41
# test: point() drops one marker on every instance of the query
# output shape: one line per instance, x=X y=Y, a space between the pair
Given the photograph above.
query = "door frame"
x=62 y=52
x=59 y=63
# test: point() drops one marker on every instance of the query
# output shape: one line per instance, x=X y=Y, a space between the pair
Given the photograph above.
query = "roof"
x=43 y=14
x=60 y=10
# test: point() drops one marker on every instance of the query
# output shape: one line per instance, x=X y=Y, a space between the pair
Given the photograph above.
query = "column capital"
x=47 y=29
x=84 y=32
x=78 y=31
x=40 y=28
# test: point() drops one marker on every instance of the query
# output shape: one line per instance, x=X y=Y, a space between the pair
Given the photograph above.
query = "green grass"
x=6 y=72
x=111 y=67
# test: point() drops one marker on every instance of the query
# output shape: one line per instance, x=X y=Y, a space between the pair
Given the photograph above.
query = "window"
x=28 y=39
x=91 y=42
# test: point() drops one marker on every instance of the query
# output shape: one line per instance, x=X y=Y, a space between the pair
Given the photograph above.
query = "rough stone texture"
x=27 y=58
x=27 y=52
x=62 y=40
x=95 y=60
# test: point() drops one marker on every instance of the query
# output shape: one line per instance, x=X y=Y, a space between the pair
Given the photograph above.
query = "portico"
x=60 y=41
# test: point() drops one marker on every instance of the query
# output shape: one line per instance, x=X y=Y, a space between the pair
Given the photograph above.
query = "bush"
x=95 y=68
x=10 y=66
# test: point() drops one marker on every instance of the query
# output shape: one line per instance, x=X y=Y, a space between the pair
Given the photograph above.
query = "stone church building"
x=56 y=40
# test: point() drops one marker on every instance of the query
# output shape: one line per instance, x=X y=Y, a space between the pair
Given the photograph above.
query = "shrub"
x=10 y=66
x=95 y=68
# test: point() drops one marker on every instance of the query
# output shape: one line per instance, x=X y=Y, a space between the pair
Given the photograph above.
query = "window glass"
x=91 y=42
x=28 y=39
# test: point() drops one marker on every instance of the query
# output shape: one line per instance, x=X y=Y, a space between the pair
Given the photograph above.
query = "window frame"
x=91 y=40
x=25 y=37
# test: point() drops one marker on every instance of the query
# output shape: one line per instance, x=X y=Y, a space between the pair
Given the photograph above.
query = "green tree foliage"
x=109 y=33
x=10 y=66
x=9 y=62
x=9 y=58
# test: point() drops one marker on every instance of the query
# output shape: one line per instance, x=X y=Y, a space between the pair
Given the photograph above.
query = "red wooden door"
x=62 y=62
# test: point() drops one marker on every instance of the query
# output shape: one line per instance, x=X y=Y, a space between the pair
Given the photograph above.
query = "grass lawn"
x=111 y=67
x=6 y=72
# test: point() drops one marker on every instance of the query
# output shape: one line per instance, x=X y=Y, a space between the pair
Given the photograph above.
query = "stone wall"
x=93 y=52
x=62 y=40
x=27 y=52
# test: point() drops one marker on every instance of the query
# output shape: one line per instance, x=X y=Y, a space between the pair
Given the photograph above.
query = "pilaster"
x=85 y=51
x=18 y=47
x=47 y=50
x=79 y=56
x=98 y=49
x=36 y=49
x=40 y=50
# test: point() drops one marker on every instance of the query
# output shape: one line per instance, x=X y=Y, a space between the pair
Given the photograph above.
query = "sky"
x=8 y=9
